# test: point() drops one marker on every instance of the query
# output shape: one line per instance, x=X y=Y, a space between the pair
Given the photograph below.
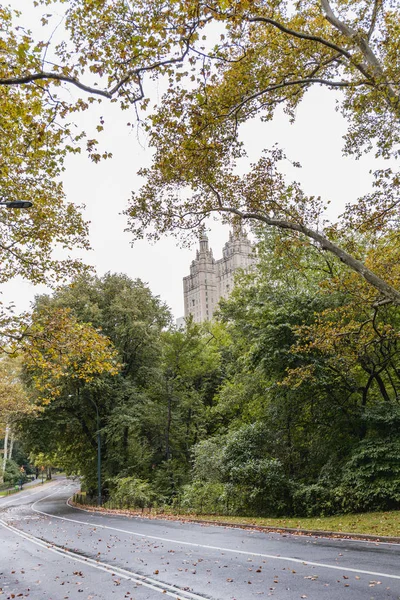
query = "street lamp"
x=22 y=473
x=98 y=449
x=42 y=469
x=16 y=203
x=98 y=453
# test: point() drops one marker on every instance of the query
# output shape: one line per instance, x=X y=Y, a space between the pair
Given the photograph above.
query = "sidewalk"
x=28 y=484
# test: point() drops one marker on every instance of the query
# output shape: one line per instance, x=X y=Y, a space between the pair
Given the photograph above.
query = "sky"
x=315 y=140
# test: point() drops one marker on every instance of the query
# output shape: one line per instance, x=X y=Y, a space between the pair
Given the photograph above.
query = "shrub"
x=12 y=474
x=130 y=492
x=314 y=500
x=371 y=478
x=203 y=497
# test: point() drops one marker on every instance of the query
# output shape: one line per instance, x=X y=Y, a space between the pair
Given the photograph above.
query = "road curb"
x=308 y=532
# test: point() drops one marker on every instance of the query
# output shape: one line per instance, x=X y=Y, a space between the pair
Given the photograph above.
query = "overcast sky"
x=315 y=139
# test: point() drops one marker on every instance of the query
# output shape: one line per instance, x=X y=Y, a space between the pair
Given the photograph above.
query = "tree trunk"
x=11 y=446
x=5 y=455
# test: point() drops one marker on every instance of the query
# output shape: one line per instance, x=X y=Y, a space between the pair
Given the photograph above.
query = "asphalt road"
x=50 y=550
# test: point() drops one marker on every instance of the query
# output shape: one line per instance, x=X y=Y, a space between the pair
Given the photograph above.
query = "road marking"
x=28 y=495
x=218 y=548
x=337 y=538
x=153 y=584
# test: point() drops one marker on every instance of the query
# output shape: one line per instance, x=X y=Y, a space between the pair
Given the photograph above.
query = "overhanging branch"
x=43 y=75
x=388 y=291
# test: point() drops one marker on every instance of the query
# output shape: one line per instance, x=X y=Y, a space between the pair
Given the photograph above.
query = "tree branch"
x=382 y=286
x=301 y=82
x=362 y=42
x=337 y=23
x=377 y=6
x=301 y=35
x=57 y=77
x=315 y=38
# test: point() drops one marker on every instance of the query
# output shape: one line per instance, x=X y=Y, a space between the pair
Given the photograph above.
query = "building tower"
x=211 y=279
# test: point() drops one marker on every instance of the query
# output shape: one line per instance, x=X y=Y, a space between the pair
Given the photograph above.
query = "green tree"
x=180 y=396
x=317 y=366
x=125 y=314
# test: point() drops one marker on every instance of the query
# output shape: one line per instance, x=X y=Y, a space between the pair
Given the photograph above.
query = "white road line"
x=28 y=495
x=248 y=527
x=153 y=584
x=218 y=548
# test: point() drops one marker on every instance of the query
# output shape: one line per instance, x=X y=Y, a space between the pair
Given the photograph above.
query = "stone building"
x=211 y=279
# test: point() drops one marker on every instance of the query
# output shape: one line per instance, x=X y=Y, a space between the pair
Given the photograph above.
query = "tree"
x=14 y=402
x=34 y=144
x=317 y=367
x=60 y=351
x=268 y=54
x=110 y=314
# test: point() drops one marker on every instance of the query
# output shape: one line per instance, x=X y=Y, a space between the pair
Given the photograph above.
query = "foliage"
x=14 y=400
x=61 y=349
x=315 y=500
x=203 y=497
x=287 y=405
x=252 y=481
x=34 y=147
x=12 y=473
x=371 y=477
x=130 y=492
x=94 y=374
x=267 y=55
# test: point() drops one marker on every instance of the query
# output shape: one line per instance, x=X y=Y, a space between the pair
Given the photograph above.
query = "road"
x=50 y=550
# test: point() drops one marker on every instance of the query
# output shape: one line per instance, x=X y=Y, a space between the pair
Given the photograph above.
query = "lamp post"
x=98 y=448
x=16 y=203
x=22 y=473
x=98 y=453
x=42 y=469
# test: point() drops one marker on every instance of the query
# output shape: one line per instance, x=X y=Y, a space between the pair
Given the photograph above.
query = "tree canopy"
x=221 y=64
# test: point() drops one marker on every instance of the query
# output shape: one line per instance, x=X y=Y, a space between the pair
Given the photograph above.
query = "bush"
x=130 y=492
x=314 y=500
x=371 y=478
x=202 y=497
x=12 y=474
x=252 y=481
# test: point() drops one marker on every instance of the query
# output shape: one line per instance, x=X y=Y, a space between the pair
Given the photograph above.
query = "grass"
x=374 y=523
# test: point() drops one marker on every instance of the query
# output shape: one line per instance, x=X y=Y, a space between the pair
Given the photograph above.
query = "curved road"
x=50 y=550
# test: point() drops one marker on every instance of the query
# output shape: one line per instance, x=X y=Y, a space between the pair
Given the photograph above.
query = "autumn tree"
x=269 y=55
x=34 y=145
x=14 y=402
x=224 y=63
x=59 y=350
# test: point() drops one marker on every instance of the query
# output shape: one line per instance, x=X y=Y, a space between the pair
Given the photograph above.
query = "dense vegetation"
x=287 y=404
